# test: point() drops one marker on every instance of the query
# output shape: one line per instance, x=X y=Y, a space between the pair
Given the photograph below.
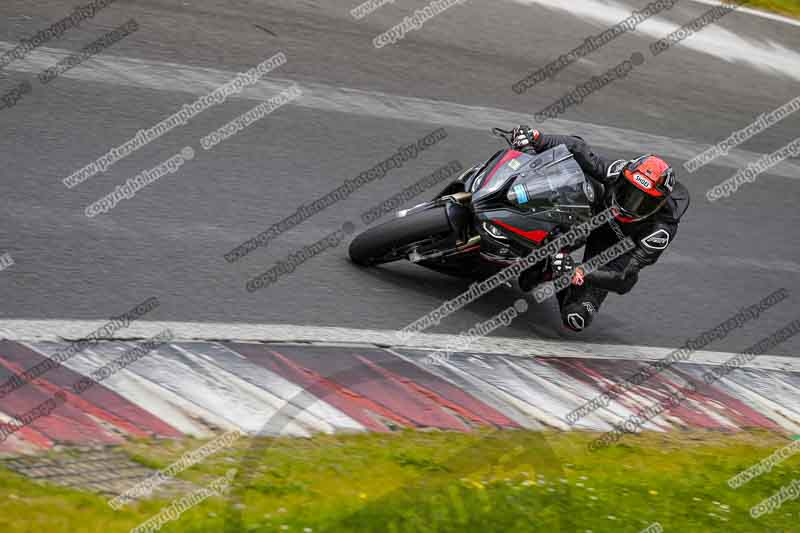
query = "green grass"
x=784 y=7
x=504 y=481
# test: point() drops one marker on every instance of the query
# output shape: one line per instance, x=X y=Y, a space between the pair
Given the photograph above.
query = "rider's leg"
x=579 y=305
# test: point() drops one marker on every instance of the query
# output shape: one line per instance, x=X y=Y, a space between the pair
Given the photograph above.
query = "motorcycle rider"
x=650 y=203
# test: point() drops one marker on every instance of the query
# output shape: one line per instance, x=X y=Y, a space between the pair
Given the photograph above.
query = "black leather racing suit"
x=579 y=304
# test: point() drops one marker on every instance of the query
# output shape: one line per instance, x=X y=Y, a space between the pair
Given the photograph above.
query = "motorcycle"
x=492 y=215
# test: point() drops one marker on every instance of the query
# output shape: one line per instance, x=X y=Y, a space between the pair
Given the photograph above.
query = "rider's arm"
x=615 y=281
x=598 y=167
x=650 y=246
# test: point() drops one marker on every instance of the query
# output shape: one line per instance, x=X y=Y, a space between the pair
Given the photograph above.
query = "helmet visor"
x=634 y=202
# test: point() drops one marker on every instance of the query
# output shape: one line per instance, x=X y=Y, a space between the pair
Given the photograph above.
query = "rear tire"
x=376 y=245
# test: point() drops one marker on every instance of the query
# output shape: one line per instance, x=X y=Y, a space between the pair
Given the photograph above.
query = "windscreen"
x=498 y=170
x=553 y=179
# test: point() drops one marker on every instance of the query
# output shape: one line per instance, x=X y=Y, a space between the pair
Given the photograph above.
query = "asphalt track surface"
x=456 y=72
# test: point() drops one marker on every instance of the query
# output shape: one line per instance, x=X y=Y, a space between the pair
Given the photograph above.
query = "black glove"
x=562 y=264
x=524 y=138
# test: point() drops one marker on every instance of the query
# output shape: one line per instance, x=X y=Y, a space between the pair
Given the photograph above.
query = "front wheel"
x=393 y=240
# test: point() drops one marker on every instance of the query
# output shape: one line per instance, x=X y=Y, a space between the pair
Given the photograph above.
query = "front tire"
x=393 y=239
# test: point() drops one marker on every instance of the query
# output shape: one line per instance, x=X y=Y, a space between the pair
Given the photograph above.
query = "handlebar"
x=505 y=134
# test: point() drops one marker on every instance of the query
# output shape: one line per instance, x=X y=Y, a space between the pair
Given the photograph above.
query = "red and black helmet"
x=642 y=188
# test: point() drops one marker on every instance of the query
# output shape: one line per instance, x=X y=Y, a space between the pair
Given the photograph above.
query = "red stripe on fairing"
x=511 y=154
x=536 y=235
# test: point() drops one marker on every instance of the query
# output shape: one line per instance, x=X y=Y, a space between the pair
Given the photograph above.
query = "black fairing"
x=511 y=221
x=563 y=198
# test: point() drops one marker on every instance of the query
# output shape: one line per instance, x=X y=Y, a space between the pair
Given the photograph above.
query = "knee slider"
x=578 y=316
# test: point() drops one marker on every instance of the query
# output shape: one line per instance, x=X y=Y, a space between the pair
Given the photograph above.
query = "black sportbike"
x=489 y=217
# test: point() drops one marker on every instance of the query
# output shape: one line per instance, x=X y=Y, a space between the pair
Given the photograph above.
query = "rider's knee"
x=578 y=316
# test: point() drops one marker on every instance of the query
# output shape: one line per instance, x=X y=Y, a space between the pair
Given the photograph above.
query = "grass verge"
x=783 y=7
x=443 y=482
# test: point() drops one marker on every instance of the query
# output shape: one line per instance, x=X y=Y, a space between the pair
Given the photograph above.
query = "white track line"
x=759 y=51
x=163 y=76
x=57 y=330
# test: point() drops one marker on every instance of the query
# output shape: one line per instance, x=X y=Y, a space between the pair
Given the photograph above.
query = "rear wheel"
x=393 y=240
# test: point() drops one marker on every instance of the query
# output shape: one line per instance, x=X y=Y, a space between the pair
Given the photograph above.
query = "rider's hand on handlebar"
x=564 y=265
x=524 y=138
